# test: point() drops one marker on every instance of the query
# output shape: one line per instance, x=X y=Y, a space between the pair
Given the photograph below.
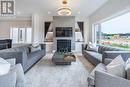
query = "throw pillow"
x=4 y=66
x=117 y=67
x=34 y=49
x=92 y=47
x=35 y=44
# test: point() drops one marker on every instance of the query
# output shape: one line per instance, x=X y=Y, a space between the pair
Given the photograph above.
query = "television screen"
x=63 y=31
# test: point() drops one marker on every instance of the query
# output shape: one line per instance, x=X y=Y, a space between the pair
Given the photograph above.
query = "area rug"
x=46 y=74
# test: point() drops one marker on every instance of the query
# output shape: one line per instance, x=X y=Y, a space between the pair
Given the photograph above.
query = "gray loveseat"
x=23 y=55
x=104 y=54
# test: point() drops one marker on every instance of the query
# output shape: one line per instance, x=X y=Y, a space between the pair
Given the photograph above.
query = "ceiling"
x=49 y=7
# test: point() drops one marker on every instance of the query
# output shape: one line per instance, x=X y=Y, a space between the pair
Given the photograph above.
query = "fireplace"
x=63 y=45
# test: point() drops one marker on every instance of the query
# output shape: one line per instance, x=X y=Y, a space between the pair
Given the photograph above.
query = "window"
x=114 y=32
x=21 y=35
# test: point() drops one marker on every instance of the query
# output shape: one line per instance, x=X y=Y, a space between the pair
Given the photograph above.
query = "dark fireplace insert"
x=63 y=45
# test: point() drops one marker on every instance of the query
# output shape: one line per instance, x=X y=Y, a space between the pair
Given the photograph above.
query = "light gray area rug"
x=46 y=74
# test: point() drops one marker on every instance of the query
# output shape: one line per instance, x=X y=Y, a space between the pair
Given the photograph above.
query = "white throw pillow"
x=117 y=67
x=4 y=66
x=34 y=49
x=35 y=44
x=92 y=47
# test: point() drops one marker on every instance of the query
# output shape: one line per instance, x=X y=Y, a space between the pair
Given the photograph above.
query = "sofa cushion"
x=117 y=67
x=34 y=57
x=21 y=49
x=36 y=54
x=25 y=49
x=95 y=55
x=8 y=50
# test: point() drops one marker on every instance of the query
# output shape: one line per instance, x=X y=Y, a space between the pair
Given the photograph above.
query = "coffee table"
x=63 y=58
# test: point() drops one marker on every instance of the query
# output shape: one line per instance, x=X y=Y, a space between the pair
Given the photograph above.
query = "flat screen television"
x=63 y=31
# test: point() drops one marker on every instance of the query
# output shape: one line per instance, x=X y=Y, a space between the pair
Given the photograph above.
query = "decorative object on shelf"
x=48 y=31
x=65 y=10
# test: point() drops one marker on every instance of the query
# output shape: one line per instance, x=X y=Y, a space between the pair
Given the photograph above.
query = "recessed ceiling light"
x=18 y=12
x=78 y=12
x=49 y=12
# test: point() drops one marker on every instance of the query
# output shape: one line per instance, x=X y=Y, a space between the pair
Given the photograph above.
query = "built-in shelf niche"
x=48 y=31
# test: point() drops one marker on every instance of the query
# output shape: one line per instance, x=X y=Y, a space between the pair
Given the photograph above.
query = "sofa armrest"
x=20 y=57
x=19 y=75
x=84 y=46
x=103 y=79
x=113 y=54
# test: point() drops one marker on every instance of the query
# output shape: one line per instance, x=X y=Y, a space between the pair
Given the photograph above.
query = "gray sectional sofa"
x=104 y=54
x=23 y=55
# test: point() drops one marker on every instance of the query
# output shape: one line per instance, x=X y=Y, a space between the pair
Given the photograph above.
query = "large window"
x=21 y=35
x=114 y=32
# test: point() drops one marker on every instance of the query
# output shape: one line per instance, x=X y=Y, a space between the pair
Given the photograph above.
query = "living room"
x=64 y=43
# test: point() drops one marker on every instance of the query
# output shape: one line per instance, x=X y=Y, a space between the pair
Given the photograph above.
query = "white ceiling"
x=85 y=7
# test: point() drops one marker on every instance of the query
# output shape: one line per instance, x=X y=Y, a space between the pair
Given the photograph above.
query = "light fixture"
x=78 y=12
x=64 y=10
x=49 y=12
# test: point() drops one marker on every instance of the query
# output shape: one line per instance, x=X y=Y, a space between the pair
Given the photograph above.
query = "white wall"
x=64 y=21
x=86 y=27
x=37 y=23
x=5 y=26
x=111 y=9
